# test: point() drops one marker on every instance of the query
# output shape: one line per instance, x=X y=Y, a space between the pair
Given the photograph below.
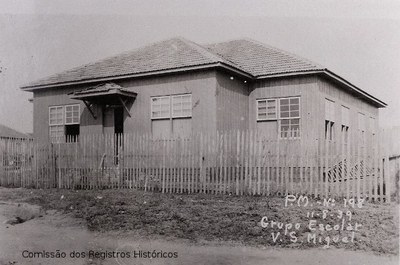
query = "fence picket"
x=238 y=162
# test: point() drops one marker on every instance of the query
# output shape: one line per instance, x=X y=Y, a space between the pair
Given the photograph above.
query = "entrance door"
x=113 y=120
x=118 y=120
x=114 y=123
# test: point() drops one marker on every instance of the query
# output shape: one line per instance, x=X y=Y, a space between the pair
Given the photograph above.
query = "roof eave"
x=372 y=99
x=307 y=72
x=144 y=74
x=332 y=76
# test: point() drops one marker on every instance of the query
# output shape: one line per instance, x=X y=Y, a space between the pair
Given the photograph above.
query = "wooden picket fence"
x=236 y=162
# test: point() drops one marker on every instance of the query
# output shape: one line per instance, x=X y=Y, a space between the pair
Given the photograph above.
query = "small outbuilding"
x=11 y=134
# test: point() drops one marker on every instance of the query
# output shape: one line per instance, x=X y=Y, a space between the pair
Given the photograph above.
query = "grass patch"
x=200 y=217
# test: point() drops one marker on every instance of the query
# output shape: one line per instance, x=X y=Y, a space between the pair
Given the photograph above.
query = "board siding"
x=43 y=99
x=201 y=84
x=328 y=90
x=219 y=103
x=232 y=107
x=304 y=87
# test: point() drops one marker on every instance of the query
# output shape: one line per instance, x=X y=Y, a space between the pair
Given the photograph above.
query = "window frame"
x=330 y=110
x=151 y=108
x=329 y=130
x=172 y=106
x=62 y=112
x=79 y=114
x=58 y=139
x=298 y=135
x=345 y=130
x=64 y=123
x=171 y=114
x=283 y=118
x=345 y=120
x=345 y=124
x=266 y=100
x=330 y=119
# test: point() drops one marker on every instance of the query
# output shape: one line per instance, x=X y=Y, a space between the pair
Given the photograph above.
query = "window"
x=160 y=107
x=56 y=133
x=64 y=122
x=171 y=115
x=329 y=119
x=345 y=134
x=288 y=120
x=266 y=109
x=289 y=108
x=182 y=106
x=345 y=124
x=56 y=115
x=345 y=116
x=329 y=130
x=72 y=114
x=329 y=110
x=290 y=128
x=289 y=114
x=56 y=124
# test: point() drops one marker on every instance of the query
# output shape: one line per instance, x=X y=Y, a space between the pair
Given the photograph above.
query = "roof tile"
x=249 y=56
x=259 y=59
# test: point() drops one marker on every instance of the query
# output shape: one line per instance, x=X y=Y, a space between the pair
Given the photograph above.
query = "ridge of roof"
x=179 y=52
x=260 y=59
x=283 y=51
x=213 y=57
x=173 y=53
x=247 y=57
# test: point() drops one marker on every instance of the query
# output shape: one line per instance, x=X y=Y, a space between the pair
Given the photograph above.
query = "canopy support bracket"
x=125 y=107
x=88 y=106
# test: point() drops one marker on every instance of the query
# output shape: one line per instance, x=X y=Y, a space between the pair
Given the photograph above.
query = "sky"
x=357 y=39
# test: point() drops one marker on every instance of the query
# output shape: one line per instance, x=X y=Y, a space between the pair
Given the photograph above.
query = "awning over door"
x=107 y=94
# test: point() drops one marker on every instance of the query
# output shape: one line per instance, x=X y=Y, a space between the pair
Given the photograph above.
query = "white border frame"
x=172 y=106
x=151 y=108
x=341 y=115
x=54 y=107
x=289 y=118
x=276 y=109
x=65 y=114
x=279 y=111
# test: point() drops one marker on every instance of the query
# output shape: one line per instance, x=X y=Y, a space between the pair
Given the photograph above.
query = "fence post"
x=386 y=174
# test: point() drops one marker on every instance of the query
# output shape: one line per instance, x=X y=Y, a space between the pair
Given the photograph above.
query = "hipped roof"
x=248 y=58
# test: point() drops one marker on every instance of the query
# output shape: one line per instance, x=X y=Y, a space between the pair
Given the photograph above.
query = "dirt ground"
x=48 y=229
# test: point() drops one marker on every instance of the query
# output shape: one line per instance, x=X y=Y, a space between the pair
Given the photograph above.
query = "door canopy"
x=107 y=94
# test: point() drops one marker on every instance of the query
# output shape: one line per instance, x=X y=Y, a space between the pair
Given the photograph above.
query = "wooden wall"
x=219 y=103
x=44 y=98
x=341 y=97
x=232 y=103
x=201 y=85
x=304 y=87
